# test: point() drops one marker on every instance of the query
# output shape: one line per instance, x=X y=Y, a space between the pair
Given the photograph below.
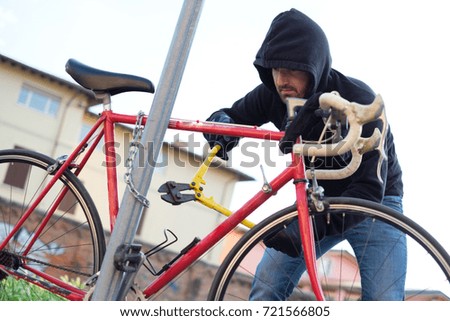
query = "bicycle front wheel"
x=427 y=276
x=62 y=241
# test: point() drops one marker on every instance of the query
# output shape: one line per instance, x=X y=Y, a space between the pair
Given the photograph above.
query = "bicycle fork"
x=305 y=226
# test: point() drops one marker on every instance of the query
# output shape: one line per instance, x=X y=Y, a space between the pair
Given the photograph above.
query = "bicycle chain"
x=26 y=258
x=132 y=152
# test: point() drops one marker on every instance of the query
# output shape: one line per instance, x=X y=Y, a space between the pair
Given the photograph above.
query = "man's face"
x=290 y=83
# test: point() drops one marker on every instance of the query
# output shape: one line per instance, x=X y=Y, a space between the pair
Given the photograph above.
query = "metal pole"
x=108 y=287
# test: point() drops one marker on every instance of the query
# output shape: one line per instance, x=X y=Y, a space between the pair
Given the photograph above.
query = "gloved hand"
x=226 y=143
x=288 y=239
x=306 y=118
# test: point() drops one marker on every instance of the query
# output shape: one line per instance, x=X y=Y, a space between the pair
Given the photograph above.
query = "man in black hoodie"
x=294 y=61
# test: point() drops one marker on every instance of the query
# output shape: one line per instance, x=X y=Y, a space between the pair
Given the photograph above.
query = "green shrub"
x=20 y=290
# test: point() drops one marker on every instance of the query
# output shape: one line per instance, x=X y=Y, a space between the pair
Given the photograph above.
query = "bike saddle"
x=101 y=81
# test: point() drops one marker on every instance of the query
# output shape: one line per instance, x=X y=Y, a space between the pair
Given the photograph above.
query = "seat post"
x=106 y=99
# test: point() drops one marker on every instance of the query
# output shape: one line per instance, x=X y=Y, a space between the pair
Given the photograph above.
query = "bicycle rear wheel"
x=69 y=248
x=428 y=264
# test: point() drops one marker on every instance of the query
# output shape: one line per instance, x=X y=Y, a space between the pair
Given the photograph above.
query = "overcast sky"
x=400 y=48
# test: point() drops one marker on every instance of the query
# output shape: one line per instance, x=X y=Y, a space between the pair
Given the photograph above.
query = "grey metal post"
x=108 y=285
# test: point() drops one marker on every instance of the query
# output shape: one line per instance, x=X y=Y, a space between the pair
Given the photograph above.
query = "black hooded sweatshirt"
x=296 y=42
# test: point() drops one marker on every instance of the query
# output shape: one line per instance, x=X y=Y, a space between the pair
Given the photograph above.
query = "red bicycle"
x=41 y=244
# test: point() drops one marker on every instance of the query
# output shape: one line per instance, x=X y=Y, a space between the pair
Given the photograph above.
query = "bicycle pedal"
x=128 y=257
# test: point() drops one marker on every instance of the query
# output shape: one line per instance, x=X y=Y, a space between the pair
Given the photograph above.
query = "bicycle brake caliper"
x=59 y=161
x=316 y=194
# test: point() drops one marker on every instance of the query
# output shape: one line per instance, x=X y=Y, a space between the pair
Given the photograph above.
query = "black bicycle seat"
x=101 y=81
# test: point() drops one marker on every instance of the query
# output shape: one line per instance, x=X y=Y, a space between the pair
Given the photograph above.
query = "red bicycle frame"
x=296 y=172
x=104 y=126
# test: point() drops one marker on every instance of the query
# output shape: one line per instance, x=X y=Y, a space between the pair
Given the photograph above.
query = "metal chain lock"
x=132 y=152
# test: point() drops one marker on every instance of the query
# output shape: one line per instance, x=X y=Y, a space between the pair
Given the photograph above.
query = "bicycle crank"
x=134 y=294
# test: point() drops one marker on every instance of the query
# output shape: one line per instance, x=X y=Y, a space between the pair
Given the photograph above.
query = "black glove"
x=288 y=239
x=226 y=143
x=306 y=118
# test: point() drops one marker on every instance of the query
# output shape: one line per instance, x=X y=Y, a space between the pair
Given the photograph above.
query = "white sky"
x=400 y=48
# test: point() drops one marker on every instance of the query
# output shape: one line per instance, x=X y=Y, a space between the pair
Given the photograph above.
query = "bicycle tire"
x=72 y=244
x=235 y=274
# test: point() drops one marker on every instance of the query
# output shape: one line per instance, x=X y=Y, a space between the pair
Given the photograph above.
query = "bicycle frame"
x=296 y=172
x=105 y=127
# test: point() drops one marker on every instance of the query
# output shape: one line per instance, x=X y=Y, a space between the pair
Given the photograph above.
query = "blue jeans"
x=277 y=274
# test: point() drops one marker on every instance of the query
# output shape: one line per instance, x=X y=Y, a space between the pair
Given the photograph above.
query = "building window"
x=18 y=174
x=39 y=100
x=85 y=128
x=69 y=203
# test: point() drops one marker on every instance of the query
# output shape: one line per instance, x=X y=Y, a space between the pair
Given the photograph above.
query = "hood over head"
x=296 y=42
